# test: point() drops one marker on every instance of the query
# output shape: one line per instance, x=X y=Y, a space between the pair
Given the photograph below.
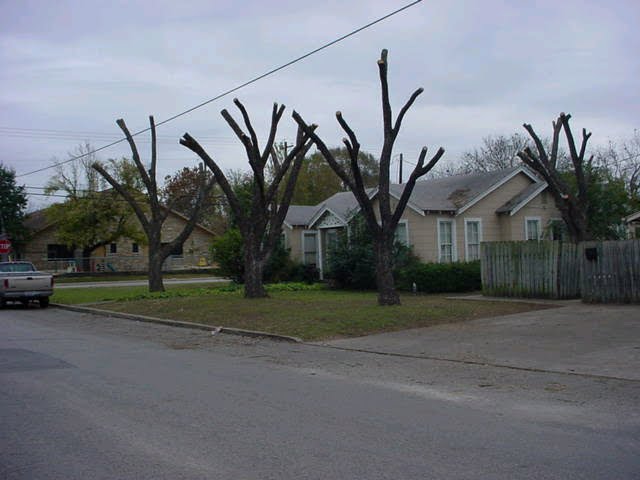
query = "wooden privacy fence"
x=547 y=269
x=611 y=272
x=602 y=272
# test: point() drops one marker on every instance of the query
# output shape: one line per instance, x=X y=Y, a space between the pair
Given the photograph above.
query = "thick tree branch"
x=419 y=170
x=276 y=115
x=144 y=221
x=193 y=145
x=134 y=152
x=403 y=111
x=255 y=152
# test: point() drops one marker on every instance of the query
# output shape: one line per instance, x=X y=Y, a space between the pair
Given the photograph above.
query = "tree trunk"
x=387 y=294
x=155 y=270
x=253 y=269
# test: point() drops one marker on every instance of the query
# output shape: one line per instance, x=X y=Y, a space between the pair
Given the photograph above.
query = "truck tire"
x=44 y=302
x=3 y=303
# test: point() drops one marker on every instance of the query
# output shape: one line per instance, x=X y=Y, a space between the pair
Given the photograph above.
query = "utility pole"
x=400 y=171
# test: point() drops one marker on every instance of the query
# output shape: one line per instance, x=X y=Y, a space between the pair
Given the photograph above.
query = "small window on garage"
x=135 y=248
x=113 y=248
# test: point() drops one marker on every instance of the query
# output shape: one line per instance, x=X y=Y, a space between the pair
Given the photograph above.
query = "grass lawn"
x=311 y=314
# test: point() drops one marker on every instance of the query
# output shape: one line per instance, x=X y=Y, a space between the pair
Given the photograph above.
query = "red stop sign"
x=5 y=246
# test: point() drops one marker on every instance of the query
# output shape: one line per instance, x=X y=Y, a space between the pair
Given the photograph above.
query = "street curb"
x=179 y=323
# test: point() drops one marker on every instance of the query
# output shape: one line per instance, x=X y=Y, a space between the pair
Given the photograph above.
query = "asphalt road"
x=84 y=397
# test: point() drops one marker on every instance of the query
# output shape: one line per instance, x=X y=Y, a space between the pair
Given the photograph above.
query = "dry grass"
x=308 y=314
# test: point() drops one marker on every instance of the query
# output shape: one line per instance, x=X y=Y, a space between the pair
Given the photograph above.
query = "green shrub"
x=227 y=251
x=441 y=277
x=351 y=262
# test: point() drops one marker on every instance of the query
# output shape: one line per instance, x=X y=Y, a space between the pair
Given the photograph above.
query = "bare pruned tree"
x=573 y=207
x=383 y=231
x=261 y=224
x=149 y=209
x=623 y=161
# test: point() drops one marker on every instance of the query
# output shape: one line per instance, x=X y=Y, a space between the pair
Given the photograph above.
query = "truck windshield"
x=16 y=267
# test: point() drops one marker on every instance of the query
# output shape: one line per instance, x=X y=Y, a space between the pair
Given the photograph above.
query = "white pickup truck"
x=21 y=282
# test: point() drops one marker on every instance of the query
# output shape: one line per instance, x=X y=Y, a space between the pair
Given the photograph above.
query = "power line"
x=234 y=89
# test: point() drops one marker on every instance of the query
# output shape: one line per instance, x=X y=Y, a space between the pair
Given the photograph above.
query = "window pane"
x=445 y=232
x=473 y=232
x=310 y=248
x=533 y=230
x=446 y=243
x=401 y=234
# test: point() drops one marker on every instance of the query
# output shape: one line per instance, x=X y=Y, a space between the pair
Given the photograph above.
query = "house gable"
x=327 y=219
x=519 y=171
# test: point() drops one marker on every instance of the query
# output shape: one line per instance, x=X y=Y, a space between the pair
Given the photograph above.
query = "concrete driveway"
x=601 y=340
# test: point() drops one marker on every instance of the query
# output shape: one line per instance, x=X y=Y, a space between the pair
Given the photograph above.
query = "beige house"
x=445 y=219
x=125 y=255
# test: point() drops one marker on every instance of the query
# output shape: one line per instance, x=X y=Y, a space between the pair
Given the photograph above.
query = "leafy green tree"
x=180 y=192
x=13 y=202
x=93 y=215
x=609 y=202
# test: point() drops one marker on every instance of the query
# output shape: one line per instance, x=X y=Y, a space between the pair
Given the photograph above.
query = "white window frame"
x=318 y=247
x=454 y=253
x=404 y=222
x=466 y=236
x=526 y=227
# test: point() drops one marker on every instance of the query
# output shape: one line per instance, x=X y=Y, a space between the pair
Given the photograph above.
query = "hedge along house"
x=124 y=255
x=445 y=219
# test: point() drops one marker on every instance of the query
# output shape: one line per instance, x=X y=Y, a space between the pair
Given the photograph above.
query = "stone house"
x=445 y=219
x=125 y=255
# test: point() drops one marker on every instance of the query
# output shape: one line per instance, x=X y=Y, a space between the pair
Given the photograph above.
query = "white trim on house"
x=524 y=202
x=633 y=217
x=321 y=212
x=454 y=252
x=526 y=227
x=466 y=236
x=495 y=186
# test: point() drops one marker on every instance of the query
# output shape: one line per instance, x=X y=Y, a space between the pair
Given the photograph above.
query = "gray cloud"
x=486 y=67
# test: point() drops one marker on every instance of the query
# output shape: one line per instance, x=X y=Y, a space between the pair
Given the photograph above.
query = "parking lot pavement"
x=600 y=340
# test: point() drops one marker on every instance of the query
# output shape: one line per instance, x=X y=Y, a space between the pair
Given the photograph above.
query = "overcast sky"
x=69 y=69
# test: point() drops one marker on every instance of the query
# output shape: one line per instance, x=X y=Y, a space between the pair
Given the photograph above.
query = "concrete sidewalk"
x=578 y=338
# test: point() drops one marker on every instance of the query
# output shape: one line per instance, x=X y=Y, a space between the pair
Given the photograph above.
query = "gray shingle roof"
x=36 y=221
x=447 y=194
x=451 y=193
x=300 y=214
